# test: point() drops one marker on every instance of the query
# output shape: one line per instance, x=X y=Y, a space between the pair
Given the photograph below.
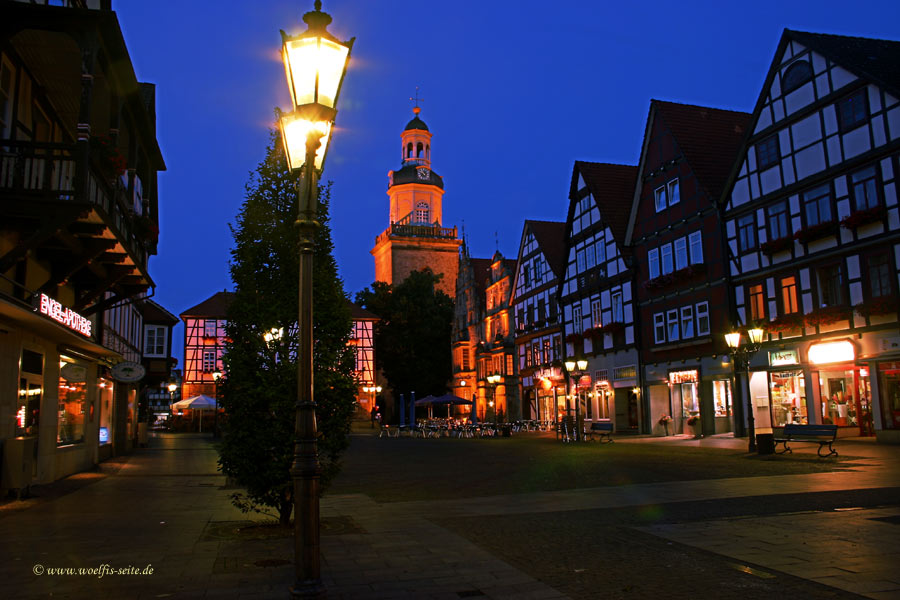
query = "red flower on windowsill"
x=573 y=338
x=883 y=305
x=827 y=315
x=784 y=323
x=814 y=232
x=685 y=273
x=774 y=246
x=108 y=154
x=862 y=217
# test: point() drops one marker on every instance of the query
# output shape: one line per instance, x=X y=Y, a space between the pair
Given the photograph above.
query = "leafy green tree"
x=412 y=339
x=260 y=387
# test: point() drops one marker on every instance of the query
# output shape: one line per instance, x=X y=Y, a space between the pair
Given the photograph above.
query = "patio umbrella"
x=196 y=403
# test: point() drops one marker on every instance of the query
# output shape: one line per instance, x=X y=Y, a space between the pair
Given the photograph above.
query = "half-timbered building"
x=78 y=223
x=204 y=344
x=539 y=267
x=597 y=298
x=675 y=230
x=362 y=340
x=814 y=236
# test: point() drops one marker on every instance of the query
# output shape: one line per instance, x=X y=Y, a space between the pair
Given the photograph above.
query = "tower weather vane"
x=417 y=100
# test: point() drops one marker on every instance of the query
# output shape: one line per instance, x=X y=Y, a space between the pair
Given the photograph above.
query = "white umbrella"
x=196 y=403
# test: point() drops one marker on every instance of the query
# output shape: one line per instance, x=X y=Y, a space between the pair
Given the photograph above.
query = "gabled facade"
x=204 y=344
x=468 y=322
x=597 y=298
x=362 y=339
x=78 y=224
x=157 y=358
x=682 y=287
x=540 y=265
x=814 y=236
x=495 y=354
x=415 y=238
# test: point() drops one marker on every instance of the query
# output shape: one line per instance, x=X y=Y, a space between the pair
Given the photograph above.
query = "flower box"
x=784 y=323
x=862 y=217
x=827 y=316
x=664 y=281
x=814 y=232
x=573 y=338
x=613 y=328
x=774 y=246
x=108 y=155
x=884 y=305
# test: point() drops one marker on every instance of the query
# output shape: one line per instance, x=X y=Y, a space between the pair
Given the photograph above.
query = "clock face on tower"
x=424 y=174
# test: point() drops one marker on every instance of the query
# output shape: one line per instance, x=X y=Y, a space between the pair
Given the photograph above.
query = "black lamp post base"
x=310 y=588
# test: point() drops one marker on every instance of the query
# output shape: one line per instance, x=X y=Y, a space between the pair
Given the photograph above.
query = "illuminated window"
x=209 y=361
x=757 y=302
x=596 y=313
x=72 y=402
x=865 y=189
x=789 y=295
x=509 y=364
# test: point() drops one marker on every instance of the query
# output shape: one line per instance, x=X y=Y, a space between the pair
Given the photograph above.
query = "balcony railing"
x=49 y=171
x=417 y=231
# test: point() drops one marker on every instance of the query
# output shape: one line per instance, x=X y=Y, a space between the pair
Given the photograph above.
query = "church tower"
x=415 y=237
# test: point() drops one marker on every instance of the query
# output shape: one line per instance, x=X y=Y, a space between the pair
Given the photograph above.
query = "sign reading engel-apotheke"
x=783 y=357
x=63 y=315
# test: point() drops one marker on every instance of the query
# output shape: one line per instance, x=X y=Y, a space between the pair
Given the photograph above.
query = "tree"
x=412 y=339
x=260 y=387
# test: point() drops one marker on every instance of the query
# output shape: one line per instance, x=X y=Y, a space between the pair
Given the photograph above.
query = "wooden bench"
x=824 y=435
x=600 y=430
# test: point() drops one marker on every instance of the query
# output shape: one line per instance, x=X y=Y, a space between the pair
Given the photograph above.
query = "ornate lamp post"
x=315 y=63
x=493 y=380
x=575 y=368
x=216 y=377
x=741 y=355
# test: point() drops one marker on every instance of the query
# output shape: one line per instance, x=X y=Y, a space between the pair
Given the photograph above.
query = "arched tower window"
x=428 y=152
x=409 y=150
x=420 y=150
x=422 y=212
x=796 y=75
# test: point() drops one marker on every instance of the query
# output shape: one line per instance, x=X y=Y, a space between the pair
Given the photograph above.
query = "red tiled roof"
x=481 y=268
x=873 y=59
x=613 y=189
x=551 y=239
x=156 y=314
x=358 y=313
x=215 y=306
x=709 y=139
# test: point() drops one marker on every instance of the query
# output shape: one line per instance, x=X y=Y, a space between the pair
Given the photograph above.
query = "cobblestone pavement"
x=737 y=537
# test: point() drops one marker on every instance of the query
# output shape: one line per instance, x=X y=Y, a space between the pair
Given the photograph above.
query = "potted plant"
x=108 y=155
x=814 y=232
x=694 y=423
x=784 y=323
x=664 y=421
x=827 y=315
x=774 y=246
x=862 y=217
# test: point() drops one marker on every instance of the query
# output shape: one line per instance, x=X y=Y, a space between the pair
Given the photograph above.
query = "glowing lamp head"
x=295 y=132
x=733 y=339
x=582 y=364
x=570 y=365
x=756 y=335
x=172 y=387
x=217 y=375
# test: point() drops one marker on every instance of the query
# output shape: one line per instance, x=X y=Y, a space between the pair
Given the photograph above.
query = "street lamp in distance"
x=217 y=375
x=741 y=355
x=493 y=380
x=575 y=368
x=315 y=63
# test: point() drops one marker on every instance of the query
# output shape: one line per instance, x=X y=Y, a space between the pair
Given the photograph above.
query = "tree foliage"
x=412 y=339
x=260 y=387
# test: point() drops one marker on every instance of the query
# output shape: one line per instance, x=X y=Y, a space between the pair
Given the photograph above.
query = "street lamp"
x=493 y=380
x=217 y=375
x=315 y=63
x=741 y=355
x=575 y=368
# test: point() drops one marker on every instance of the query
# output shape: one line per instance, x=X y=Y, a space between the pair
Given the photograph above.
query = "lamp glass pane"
x=756 y=335
x=294 y=132
x=332 y=59
x=570 y=365
x=307 y=57
x=733 y=339
x=582 y=365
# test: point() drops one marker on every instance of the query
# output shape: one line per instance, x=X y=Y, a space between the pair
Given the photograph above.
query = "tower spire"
x=416 y=108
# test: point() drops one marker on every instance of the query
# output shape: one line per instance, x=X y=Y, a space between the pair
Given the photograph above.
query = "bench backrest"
x=602 y=426
x=812 y=430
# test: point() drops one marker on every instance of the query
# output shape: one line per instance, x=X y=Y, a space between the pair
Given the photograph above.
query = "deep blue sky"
x=515 y=92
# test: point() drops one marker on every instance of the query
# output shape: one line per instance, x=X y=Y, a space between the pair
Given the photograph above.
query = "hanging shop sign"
x=63 y=315
x=783 y=357
x=127 y=372
x=73 y=373
x=683 y=377
x=831 y=352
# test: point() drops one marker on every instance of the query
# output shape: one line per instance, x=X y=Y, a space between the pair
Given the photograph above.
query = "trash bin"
x=18 y=463
x=765 y=443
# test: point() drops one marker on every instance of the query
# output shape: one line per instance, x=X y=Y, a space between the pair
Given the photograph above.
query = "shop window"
x=778 y=221
x=845 y=397
x=889 y=386
x=864 y=186
x=831 y=286
x=722 y=397
x=757 y=302
x=817 y=205
x=767 y=152
x=788 y=398
x=746 y=229
x=789 y=295
x=879 y=272
x=853 y=110
x=72 y=402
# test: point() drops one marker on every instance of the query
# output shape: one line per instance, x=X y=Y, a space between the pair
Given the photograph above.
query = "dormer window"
x=667 y=195
x=796 y=75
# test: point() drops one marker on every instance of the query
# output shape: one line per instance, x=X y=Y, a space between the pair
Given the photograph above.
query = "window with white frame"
x=666 y=251
x=577 y=325
x=653 y=261
x=579 y=261
x=702 y=318
x=681 y=258
x=589 y=257
x=154 y=340
x=618 y=313
x=746 y=228
x=817 y=205
x=672 y=324
x=596 y=314
x=210 y=328
x=537 y=270
x=687 y=322
x=422 y=212
x=659 y=328
x=673 y=192
x=600 y=251
x=209 y=361
x=695 y=242
x=659 y=195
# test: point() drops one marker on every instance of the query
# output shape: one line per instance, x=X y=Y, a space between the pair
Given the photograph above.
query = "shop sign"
x=73 y=373
x=63 y=315
x=584 y=382
x=127 y=372
x=683 y=377
x=783 y=357
x=831 y=352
